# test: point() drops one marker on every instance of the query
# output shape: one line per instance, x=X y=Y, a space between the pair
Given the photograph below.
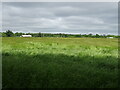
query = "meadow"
x=42 y=62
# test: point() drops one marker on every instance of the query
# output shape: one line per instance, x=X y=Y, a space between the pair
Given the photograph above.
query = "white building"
x=26 y=36
x=109 y=37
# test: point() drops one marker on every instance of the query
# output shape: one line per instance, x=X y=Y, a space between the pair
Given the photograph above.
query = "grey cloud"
x=60 y=17
x=0 y=16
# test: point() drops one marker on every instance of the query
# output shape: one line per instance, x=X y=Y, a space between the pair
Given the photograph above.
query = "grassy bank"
x=59 y=62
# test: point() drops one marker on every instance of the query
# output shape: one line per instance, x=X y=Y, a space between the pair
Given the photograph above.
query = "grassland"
x=60 y=62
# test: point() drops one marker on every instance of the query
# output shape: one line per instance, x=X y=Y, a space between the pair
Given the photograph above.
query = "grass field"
x=59 y=62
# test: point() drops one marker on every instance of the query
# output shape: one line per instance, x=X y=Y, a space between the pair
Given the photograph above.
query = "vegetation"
x=18 y=34
x=42 y=62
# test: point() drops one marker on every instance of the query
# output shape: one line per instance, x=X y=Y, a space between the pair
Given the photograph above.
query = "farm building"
x=109 y=37
x=26 y=36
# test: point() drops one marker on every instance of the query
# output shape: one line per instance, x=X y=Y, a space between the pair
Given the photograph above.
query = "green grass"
x=60 y=62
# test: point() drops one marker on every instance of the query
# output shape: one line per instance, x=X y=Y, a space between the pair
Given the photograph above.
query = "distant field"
x=59 y=62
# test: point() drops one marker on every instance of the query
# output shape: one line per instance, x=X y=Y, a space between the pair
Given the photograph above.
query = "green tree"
x=3 y=34
x=9 y=33
x=97 y=36
x=90 y=35
x=39 y=34
x=17 y=34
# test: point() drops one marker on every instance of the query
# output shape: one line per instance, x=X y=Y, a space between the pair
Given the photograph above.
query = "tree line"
x=9 y=33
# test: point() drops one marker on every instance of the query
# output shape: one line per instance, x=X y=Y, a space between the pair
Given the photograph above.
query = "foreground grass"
x=60 y=63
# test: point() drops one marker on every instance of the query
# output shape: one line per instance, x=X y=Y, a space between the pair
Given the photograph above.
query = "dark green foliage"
x=58 y=71
x=39 y=34
x=9 y=33
x=17 y=34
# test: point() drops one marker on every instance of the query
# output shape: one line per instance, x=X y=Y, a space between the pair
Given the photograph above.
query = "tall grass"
x=60 y=63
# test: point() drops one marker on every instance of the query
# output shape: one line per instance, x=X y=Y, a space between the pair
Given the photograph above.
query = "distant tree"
x=42 y=34
x=0 y=34
x=17 y=34
x=3 y=34
x=90 y=35
x=66 y=35
x=97 y=36
x=39 y=34
x=28 y=33
x=9 y=33
x=77 y=35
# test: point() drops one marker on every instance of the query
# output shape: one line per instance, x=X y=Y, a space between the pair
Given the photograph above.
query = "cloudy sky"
x=61 y=17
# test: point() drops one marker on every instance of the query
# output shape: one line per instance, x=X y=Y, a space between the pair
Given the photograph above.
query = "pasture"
x=59 y=62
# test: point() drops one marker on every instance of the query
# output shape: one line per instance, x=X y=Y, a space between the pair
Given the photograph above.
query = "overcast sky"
x=61 y=17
